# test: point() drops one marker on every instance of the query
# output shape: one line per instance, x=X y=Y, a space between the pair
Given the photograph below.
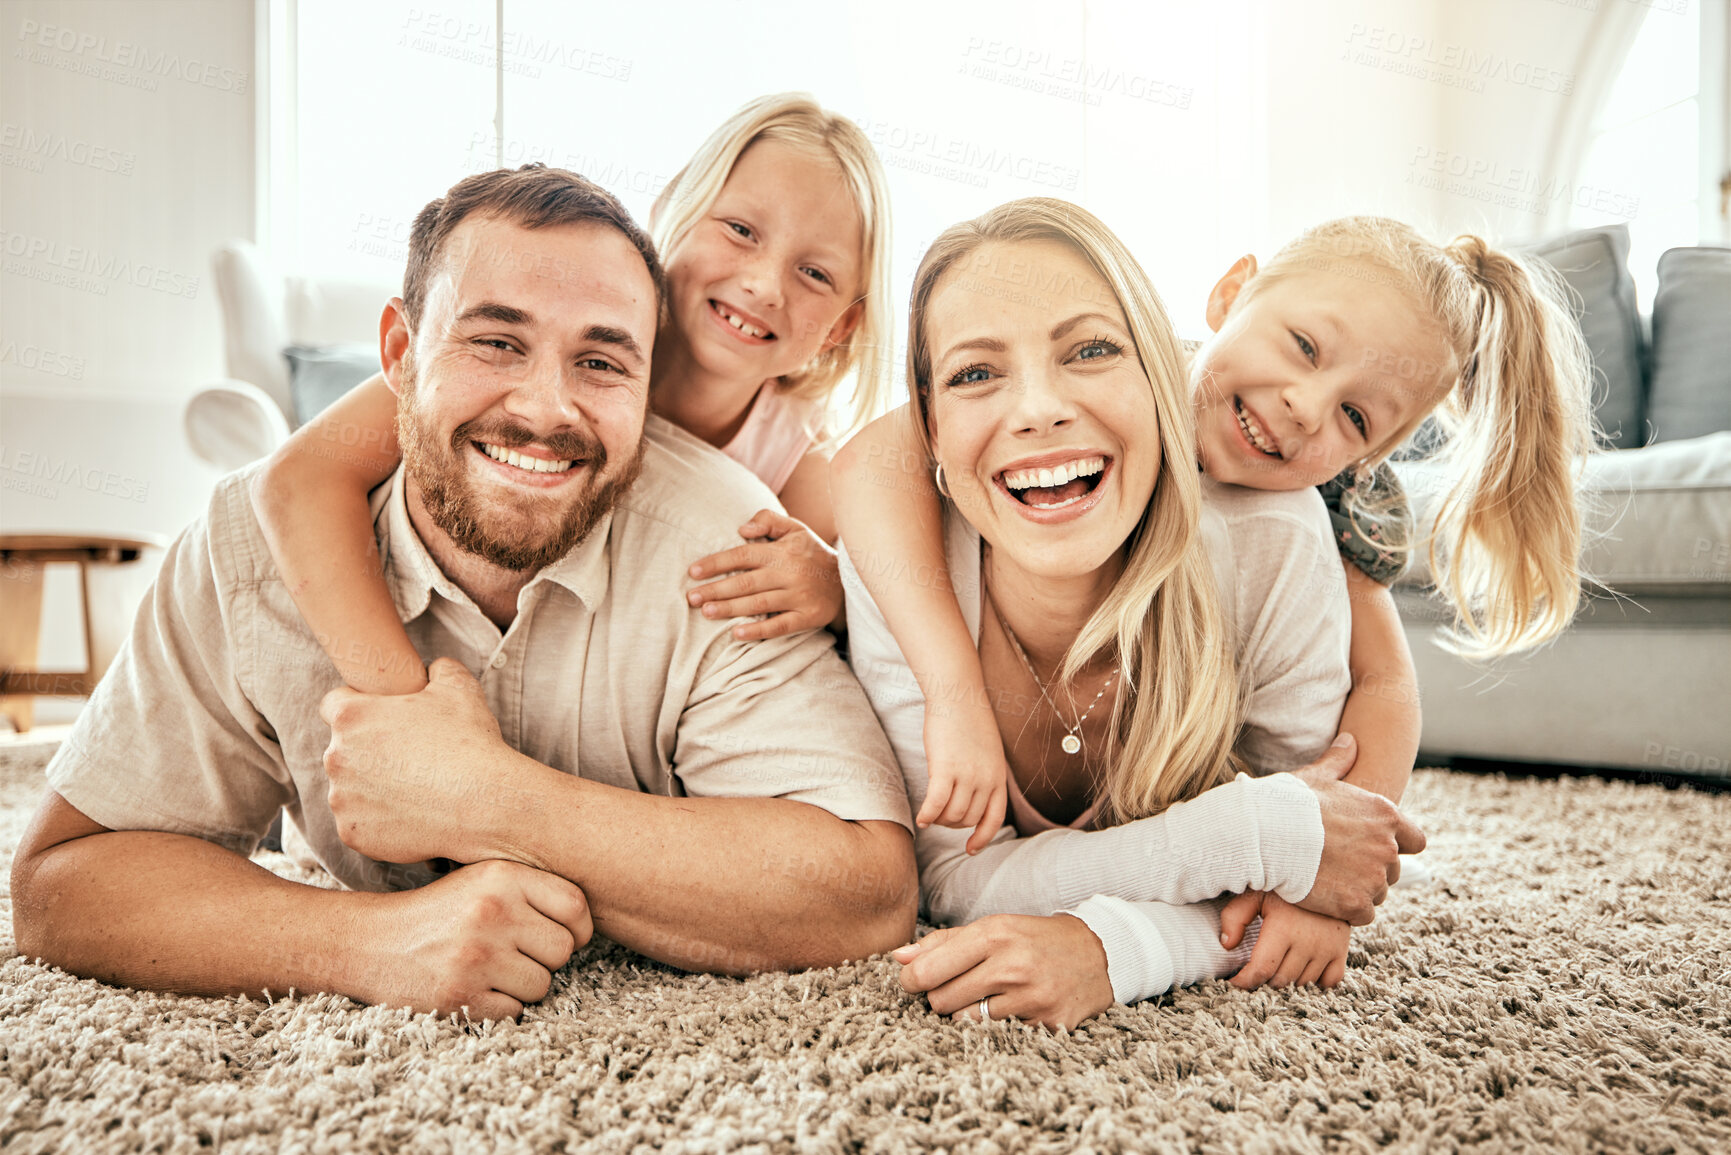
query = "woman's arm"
x=1382 y=711
x=311 y=501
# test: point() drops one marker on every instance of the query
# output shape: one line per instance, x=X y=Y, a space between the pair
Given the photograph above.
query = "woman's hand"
x=788 y=573
x=1049 y=970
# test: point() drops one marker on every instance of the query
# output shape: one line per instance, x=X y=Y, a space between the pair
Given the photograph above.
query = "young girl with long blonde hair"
x=1323 y=362
x=775 y=238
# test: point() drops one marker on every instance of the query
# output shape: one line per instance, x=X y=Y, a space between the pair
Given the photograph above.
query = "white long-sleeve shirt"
x=1146 y=887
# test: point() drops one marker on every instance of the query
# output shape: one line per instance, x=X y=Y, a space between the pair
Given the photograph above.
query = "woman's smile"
x=1055 y=487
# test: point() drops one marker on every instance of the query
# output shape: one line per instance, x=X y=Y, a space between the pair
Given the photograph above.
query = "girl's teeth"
x=739 y=323
x=1254 y=434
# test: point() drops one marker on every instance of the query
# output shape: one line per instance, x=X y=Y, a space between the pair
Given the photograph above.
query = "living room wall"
x=125 y=157
x=127 y=148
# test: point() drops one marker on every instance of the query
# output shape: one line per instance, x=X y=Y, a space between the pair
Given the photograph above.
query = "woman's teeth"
x=1045 y=478
x=1253 y=432
x=522 y=461
x=739 y=323
x=1056 y=487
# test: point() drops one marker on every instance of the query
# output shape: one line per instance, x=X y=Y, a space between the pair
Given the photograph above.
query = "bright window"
x=1643 y=163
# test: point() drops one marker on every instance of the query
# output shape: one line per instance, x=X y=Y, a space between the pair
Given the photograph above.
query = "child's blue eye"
x=1358 y=419
x=1305 y=347
x=738 y=228
x=816 y=274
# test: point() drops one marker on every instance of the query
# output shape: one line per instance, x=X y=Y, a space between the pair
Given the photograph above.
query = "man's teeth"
x=1046 y=478
x=739 y=323
x=522 y=461
x=1254 y=434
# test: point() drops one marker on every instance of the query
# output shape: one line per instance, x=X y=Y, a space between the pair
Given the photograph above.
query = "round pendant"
x=1071 y=743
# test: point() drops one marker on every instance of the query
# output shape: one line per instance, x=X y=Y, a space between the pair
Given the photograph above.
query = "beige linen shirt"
x=208 y=721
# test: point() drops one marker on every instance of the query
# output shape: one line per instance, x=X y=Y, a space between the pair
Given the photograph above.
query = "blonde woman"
x=775 y=239
x=1049 y=387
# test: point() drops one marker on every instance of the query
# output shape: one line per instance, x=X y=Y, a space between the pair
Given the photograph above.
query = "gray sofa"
x=1642 y=679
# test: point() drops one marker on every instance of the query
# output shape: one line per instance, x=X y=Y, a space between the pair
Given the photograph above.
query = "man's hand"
x=1049 y=970
x=412 y=775
x=484 y=940
x=1363 y=837
x=788 y=573
x=1294 y=946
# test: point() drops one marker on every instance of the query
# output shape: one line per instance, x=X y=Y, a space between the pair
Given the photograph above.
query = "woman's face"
x=1040 y=412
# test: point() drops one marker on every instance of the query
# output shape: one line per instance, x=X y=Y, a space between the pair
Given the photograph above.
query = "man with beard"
x=621 y=763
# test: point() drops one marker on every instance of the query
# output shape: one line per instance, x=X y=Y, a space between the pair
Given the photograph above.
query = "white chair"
x=264 y=311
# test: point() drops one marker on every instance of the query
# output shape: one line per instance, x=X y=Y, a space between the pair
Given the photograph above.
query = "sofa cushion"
x=319 y=374
x=1595 y=263
x=1659 y=518
x=1689 y=391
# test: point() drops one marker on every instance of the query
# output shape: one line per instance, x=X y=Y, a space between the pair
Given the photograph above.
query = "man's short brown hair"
x=534 y=197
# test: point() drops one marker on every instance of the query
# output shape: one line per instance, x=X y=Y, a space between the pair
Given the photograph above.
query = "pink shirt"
x=778 y=432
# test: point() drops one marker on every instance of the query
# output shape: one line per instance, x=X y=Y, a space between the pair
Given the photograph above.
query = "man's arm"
x=734 y=885
x=172 y=912
x=729 y=884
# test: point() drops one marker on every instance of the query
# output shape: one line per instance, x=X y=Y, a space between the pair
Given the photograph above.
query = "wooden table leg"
x=20 y=630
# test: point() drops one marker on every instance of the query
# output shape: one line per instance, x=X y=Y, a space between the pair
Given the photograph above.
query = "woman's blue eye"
x=1094 y=350
x=972 y=375
x=1358 y=419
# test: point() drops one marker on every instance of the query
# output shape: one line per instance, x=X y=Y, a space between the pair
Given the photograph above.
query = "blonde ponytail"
x=1506 y=544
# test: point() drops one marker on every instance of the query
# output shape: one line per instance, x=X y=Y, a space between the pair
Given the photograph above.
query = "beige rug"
x=1561 y=984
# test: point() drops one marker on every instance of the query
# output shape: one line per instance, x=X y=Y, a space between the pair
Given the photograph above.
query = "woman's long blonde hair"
x=1505 y=544
x=1174 y=740
x=795 y=119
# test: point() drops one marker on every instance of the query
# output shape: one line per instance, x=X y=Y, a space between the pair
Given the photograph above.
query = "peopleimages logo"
x=99 y=50
x=58 y=146
x=1423 y=57
x=1507 y=186
x=39 y=473
x=938 y=154
x=87 y=269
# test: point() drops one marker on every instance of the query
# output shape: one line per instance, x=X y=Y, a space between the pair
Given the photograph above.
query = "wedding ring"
x=985 y=1011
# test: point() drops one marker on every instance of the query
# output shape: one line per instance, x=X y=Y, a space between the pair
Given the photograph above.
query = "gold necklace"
x=1071 y=742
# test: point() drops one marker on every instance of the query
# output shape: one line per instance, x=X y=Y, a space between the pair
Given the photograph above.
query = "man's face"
x=524 y=387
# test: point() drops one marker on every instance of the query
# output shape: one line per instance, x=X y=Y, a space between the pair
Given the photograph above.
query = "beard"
x=533 y=530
